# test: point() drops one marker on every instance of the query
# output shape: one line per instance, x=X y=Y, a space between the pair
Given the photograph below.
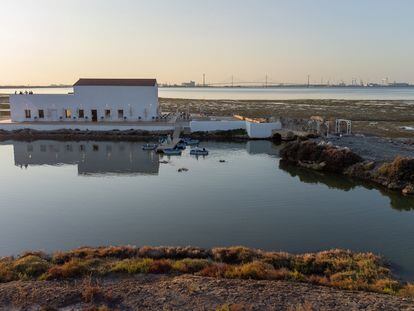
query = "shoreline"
x=395 y=175
x=86 y=276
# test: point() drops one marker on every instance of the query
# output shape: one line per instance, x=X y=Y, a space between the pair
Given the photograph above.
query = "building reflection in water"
x=92 y=158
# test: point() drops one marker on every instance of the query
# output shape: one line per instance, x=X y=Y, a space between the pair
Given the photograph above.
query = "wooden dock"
x=175 y=140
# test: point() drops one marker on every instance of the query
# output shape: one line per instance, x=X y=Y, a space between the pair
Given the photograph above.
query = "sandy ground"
x=153 y=292
x=382 y=118
x=375 y=148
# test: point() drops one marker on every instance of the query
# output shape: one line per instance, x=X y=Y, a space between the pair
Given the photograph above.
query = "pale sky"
x=58 y=41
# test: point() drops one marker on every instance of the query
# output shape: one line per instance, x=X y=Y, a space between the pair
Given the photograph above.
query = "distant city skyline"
x=55 y=42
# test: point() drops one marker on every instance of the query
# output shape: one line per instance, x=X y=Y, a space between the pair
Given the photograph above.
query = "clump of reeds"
x=337 y=268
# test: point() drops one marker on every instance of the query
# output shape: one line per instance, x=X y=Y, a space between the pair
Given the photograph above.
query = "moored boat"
x=199 y=151
x=181 y=146
x=171 y=151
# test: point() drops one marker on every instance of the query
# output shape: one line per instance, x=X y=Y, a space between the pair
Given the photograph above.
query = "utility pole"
x=308 y=80
x=266 y=82
x=232 y=81
x=204 y=79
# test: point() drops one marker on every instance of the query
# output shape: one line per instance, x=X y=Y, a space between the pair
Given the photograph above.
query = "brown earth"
x=153 y=292
x=373 y=117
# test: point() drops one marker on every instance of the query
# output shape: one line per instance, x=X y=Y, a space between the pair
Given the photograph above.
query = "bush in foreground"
x=338 y=268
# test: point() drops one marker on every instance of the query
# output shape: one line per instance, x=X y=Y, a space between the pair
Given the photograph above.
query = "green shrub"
x=6 y=270
x=133 y=266
x=160 y=266
x=71 y=269
x=217 y=270
x=30 y=266
x=254 y=270
x=235 y=255
x=190 y=265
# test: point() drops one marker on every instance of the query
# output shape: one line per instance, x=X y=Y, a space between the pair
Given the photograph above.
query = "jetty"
x=173 y=143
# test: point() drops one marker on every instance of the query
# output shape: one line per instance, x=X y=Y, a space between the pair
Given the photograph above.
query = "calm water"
x=61 y=195
x=269 y=93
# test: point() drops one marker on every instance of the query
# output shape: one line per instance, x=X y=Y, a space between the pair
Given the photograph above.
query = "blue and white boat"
x=199 y=151
x=181 y=146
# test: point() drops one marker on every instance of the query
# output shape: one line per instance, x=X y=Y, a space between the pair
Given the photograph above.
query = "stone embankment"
x=396 y=175
x=124 y=135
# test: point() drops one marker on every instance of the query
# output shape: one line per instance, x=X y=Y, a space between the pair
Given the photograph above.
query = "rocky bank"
x=396 y=175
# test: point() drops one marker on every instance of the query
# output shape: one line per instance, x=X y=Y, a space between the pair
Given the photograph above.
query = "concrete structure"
x=253 y=128
x=262 y=130
x=216 y=125
x=93 y=100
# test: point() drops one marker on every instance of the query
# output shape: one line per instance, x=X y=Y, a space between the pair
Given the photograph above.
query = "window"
x=41 y=114
x=95 y=148
x=81 y=114
x=27 y=113
x=107 y=113
x=120 y=114
x=68 y=113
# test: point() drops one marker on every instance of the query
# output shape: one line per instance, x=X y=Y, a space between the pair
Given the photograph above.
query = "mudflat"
x=387 y=118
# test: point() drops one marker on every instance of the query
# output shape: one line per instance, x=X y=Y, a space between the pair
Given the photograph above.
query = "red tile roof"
x=116 y=82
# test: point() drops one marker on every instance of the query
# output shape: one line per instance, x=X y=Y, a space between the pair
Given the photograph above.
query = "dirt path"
x=153 y=292
x=375 y=148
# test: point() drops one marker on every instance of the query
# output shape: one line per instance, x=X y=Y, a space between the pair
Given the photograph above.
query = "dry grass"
x=338 y=268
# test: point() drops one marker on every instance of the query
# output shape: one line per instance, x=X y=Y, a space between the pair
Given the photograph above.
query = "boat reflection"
x=91 y=158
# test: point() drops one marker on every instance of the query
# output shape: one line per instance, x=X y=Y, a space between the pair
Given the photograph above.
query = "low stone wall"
x=254 y=130
x=85 y=126
x=216 y=125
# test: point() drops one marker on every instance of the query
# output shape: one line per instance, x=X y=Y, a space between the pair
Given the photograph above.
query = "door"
x=52 y=114
x=94 y=114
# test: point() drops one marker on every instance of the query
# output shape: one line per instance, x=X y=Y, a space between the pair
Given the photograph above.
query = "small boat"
x=181 y=146
x=149 y=147
x=199 y=151
x=171 y=151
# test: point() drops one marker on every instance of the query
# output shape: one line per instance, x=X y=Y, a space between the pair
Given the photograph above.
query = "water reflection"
x=91 y=158
x=235 y=196
x=333 y=181
x=127 y=158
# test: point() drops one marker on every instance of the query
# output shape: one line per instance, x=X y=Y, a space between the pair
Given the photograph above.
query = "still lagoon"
x=62 y=195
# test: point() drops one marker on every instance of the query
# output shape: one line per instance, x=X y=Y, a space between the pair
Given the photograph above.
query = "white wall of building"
x=254 y=130
x=137 y=102
x=262 y=130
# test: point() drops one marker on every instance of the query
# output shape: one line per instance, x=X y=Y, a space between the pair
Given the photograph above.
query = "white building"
x=93 y=100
